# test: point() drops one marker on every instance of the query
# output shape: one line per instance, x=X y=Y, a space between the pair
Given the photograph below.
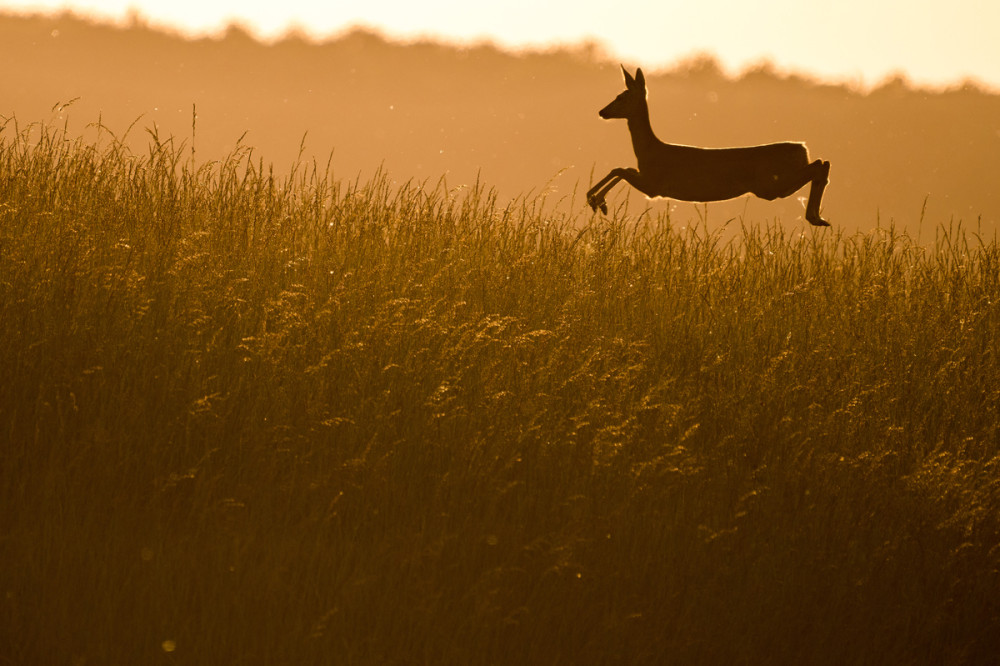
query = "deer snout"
x=613 y=110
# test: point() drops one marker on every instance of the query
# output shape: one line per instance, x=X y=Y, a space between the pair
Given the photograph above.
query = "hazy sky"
x=862 y=41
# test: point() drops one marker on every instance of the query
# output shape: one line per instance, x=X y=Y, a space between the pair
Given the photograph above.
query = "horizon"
x=856 y=58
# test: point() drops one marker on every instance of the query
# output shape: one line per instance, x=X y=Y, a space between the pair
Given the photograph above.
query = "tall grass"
x=259 y=419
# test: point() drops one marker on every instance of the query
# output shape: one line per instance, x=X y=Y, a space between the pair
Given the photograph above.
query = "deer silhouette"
x=686 y=173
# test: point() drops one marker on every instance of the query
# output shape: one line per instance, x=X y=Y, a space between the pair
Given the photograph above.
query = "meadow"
x=250 y=417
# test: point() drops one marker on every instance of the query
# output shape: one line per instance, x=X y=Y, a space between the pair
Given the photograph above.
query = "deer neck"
x=644 y=142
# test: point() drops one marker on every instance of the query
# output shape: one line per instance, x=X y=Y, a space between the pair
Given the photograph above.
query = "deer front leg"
x=595 y=197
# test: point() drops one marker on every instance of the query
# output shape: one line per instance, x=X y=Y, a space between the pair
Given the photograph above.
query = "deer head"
x=630 y=101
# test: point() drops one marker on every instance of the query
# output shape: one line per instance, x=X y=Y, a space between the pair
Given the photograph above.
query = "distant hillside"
x=515 y=120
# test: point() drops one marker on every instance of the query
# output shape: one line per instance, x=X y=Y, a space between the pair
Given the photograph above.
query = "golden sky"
x=860 y=41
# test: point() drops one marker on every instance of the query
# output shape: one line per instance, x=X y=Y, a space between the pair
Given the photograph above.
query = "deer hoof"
x=596 y=203
x=817 y=221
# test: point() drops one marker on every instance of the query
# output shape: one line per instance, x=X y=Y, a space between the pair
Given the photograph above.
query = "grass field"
x=249 y=418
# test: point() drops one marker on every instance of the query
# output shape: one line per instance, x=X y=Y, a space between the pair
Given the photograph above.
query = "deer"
x=688 y=173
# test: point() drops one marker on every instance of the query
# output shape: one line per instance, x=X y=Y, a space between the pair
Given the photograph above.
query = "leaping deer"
x=770 y=171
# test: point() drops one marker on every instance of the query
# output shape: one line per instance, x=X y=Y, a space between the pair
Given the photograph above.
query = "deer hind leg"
x=820 y=178
x=781 y=186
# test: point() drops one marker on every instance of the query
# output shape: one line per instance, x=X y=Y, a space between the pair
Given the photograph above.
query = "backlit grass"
x=249 y=418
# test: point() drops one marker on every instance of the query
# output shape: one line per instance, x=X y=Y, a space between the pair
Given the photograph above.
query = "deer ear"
x=629 y=81
x=640 y=79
